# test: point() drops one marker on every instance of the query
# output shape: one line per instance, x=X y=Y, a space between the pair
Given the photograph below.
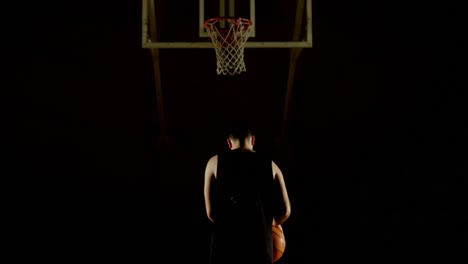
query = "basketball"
x=279 y=243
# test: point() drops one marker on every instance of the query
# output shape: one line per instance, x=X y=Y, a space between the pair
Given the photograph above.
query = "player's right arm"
x=279 y=178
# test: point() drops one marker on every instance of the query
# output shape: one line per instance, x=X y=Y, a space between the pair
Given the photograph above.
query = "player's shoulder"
x=273 y=164
x=213 y=160
x=276 y=168
x=263 y=154
x=211 y=165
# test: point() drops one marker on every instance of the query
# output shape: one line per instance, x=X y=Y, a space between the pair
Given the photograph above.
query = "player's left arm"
x=210 y=173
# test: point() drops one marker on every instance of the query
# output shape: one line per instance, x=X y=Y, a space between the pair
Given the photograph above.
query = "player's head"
x=240 y=135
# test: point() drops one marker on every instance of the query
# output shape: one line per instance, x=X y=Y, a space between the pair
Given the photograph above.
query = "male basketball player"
x=241 y=187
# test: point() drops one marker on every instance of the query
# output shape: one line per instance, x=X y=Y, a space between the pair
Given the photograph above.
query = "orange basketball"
x=279 y=243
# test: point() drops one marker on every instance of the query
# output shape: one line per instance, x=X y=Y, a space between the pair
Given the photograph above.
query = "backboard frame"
x=222 y=13
x=148 y=44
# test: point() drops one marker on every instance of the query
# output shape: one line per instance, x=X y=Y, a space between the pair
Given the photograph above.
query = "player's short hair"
x=240 y=129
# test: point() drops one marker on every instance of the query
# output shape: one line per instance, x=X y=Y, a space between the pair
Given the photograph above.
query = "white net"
x=229 y=43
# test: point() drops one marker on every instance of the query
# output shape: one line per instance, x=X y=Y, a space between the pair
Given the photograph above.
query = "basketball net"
x=229 y=43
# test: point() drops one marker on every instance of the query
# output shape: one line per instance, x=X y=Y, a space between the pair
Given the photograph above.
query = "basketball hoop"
x=229 y=42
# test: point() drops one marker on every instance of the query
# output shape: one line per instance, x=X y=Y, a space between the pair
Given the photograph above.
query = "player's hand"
x=277 y=225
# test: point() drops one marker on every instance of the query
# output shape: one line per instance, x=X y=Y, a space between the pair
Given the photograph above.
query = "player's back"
x=243 y=196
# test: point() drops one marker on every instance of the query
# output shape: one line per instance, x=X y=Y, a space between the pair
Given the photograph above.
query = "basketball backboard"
x=176 y=24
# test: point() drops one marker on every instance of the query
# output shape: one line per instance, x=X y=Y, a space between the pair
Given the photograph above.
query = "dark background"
x=373 y=157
